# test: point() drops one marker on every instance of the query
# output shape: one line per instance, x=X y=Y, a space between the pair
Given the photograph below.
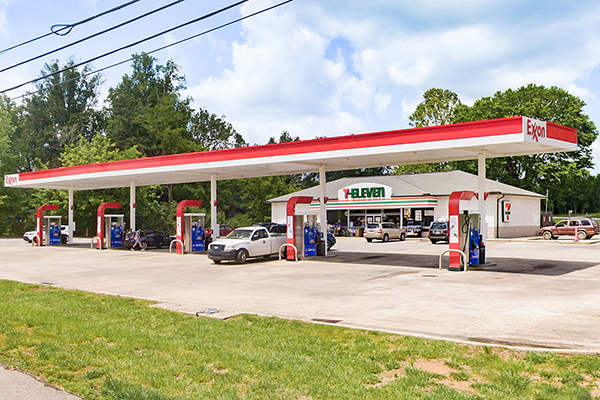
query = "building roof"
x=434 y=184
x=495 y=138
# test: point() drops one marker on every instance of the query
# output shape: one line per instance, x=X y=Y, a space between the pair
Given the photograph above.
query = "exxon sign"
x=534 y=129
x=10 y=180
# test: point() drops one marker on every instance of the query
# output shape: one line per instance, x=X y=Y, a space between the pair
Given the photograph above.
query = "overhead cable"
x=163 y=47
x=128 y=46
x=65 y=29
x=94 y=35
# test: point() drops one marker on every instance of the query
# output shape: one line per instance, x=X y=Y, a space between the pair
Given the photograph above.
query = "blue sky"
x=332 y=67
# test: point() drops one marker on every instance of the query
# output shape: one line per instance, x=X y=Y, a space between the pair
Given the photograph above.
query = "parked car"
x=64 y=235
x=244 y=243
x=224 y=230
x=438 y=232
x=583 y=227
x=148 y=238
x=383 y=231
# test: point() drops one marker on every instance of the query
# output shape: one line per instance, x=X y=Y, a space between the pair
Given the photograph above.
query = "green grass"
x=103 y=347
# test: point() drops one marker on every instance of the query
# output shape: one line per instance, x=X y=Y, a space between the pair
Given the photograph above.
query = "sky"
x=329 y=67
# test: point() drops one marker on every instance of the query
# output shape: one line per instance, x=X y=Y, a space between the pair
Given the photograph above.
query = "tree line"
x=61 y=123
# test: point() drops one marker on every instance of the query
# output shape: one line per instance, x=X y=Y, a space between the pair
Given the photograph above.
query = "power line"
x=166 y=46
x=129 y=45
x=94 y=35
x=65 y=29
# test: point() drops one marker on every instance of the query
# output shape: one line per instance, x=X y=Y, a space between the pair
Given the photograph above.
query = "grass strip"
x=105 y=347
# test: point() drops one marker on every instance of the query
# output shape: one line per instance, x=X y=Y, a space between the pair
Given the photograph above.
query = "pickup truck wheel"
x=386 y=238
x=547 y=235
x=582 y=235
x=369 y=240
x=241 y=256
x=144 y=246
x=402 y=236
x=217 y=261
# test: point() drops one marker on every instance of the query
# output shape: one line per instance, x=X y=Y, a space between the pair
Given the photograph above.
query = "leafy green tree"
x=541 y=172
x=146 y=109
x=437 y=108
x=11 y=199
x=214 y=133
x=63 y=108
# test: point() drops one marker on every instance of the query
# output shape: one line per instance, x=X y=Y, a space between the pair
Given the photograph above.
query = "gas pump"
x=310 y=236
x=194 y=231
x=470 y=238
x=114 y=225
x=464 y=232
x=52 y=229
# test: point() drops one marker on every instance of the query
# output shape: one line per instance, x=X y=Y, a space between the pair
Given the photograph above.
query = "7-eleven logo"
x=506 y=211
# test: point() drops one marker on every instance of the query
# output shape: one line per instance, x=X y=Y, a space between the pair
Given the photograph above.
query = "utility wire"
x=167 y=46
x=127 y=46
x=94 y=35
x=65 y=29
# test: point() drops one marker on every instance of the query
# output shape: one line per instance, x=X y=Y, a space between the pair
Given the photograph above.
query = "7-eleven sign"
x=506 y=210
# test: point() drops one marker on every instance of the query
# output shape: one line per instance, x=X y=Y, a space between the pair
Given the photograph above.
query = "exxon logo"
x=536 y=129
x=10 y=180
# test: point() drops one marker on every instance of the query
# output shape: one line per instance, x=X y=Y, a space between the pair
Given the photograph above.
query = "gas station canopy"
x=511 y=136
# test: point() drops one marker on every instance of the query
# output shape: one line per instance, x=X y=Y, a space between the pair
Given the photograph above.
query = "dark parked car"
x=583 y=227
x=438 y=232
x=149 y=238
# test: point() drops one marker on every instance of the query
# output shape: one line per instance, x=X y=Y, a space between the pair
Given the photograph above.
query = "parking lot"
x=530 y=294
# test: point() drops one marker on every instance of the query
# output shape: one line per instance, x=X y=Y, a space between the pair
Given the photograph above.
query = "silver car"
x=384 y=231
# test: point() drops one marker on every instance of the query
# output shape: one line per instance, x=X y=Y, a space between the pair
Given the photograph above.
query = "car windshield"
x=240 y=234
x=372 y=226
x=438 y=225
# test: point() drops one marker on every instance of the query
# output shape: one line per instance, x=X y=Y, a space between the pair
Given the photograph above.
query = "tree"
x=11 y=199
x=541 y=172
x=214 y=133
x=63 y=108
x=146 y=109
x=437 y=108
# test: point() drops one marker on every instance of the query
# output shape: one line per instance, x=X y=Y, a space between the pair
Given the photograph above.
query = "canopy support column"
x=481 y=172
x=132 y=205
x=213 y=207
x=323 y=209
x=70 y=229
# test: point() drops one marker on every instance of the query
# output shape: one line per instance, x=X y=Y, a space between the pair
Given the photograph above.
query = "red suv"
x=583 y=227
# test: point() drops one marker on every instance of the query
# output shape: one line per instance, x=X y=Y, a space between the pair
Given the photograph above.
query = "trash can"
x=321 y=248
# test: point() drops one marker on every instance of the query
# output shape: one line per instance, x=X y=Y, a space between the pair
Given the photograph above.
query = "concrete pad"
x=531 y=294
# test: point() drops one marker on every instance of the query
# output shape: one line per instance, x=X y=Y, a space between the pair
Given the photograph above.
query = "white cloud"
x=286 y=75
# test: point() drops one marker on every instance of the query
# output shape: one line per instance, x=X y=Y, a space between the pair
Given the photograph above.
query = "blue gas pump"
x=474 y=241
x=310 y=241
x=197 y=238
x=54 y=234
x=116 y=235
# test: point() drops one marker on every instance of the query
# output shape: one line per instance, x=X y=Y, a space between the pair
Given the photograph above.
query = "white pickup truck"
x=244 y=243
